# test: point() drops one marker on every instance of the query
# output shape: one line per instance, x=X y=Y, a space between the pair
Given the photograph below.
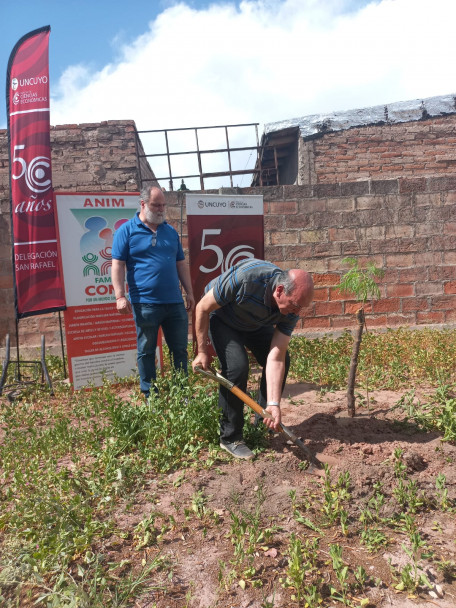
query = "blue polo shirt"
x=151 y=268
x=244 y=293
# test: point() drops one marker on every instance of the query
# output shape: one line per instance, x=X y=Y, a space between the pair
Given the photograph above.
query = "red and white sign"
x=38 y=285
x=101 y=343
x=222 y=230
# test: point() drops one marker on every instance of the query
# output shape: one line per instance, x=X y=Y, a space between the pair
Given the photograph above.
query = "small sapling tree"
x=358 y=282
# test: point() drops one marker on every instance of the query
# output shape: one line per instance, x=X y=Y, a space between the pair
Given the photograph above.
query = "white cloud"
x=267 y=61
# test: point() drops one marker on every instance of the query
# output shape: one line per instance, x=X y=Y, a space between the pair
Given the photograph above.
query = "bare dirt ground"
x=202 y=552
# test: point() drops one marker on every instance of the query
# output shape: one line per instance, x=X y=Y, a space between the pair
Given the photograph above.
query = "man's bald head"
x=303 y=289
x=294 y=291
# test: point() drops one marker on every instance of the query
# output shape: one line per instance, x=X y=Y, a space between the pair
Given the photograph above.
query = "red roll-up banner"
x=38 y=284
x=222 y=230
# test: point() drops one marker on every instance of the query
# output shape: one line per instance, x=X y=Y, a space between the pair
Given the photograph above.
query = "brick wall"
x=406 y=149
x=409 y=230
x=97 y=157
x=405 y=225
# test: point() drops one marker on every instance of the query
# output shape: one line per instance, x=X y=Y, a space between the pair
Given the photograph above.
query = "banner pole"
x=62 y=345
x=18 y=367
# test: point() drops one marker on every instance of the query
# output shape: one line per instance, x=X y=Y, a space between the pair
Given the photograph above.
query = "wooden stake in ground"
x=354 y=363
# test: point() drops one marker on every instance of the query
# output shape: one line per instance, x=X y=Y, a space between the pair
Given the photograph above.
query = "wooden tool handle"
x=250 y=402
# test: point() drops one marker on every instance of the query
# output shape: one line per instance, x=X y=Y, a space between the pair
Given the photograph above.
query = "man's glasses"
x=154 y=240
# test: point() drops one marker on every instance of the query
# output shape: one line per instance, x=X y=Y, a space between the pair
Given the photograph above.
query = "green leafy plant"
x=439 y=414
x=341 y=570
x=302 y=562
x=411 y=576
x=359 y=282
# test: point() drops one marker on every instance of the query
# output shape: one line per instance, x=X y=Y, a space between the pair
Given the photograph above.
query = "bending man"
x=253 y=304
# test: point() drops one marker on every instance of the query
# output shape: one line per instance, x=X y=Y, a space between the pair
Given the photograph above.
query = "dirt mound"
x=204 y=503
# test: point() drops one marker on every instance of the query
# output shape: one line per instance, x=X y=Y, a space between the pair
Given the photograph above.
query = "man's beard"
x=154 y=217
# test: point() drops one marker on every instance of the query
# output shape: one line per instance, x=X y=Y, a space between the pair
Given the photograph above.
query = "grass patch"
x=70 y=462
x=389 y=360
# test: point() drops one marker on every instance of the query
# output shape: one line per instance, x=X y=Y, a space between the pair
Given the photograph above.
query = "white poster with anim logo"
x=101 y=343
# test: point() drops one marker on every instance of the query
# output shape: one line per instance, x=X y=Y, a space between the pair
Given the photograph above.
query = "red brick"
x=449 y=228
x=347 y=321
x=430 y=317
x=401 y=319
x=450 y=316
x=442 y=273
x=414 y=304
x=449 y=257
x=6 y=282
x=403 y=260
x=284 y=238
x=450 y=287
x=309 y=206
x=294 y=221
x=400 y=290
x=321 y=294
x=336 y=294
x=391 y=305
x=326 y=279
x=273 y=222
x=316 y=323
x=323 y=309
x=351 y=308
x=391 y=275
x=341 y=234
x=412 y=274
x=283 y=207
x=445 y=302
x=425 y=288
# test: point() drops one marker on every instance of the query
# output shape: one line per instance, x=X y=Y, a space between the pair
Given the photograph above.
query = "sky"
x=201 y=63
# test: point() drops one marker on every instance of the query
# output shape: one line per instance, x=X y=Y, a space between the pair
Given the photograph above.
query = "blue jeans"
x=173 y=320
x=230 y=346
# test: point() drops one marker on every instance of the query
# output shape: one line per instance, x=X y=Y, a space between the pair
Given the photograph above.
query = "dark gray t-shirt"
x=244 y=293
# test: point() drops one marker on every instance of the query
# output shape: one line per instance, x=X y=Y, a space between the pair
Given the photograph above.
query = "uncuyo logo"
x=14 y=84
x=200 y=204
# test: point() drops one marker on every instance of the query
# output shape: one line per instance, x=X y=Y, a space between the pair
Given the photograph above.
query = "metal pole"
x=259 y=154
x=198 y=154
x=18 y=369
x=229 y=157
x=62 y=345
x=169 y=163
x=138 y=161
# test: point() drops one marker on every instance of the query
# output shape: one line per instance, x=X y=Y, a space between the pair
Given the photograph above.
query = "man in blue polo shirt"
x=148 y=251
x=253 y=305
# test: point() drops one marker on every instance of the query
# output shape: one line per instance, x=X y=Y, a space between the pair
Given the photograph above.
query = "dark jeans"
x=173 y=320
x=230 y=346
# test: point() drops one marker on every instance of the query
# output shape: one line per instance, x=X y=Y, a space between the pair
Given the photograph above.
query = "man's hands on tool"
x=202 y=360
x=274 y=422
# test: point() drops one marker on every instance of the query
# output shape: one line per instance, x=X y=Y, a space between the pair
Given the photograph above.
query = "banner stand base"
x=20 y=381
